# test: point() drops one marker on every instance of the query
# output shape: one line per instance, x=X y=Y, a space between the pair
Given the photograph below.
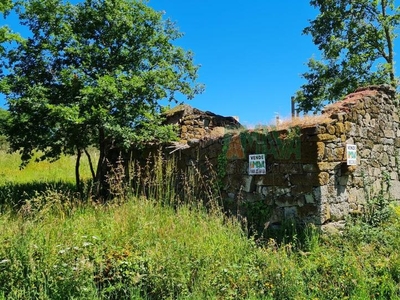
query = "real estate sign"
x=257 y=164
x=351 y=151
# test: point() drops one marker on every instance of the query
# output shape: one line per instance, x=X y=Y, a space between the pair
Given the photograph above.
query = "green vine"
x=293 y=133
x=396 y=157
x=222 y=162
x=257 y=214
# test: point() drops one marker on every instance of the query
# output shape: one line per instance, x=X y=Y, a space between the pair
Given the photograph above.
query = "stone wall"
x=307 y=176
x=194 y=124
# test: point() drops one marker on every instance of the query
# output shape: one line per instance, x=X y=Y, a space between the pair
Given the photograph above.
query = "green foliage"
x=19 y=185
x=257 y=213
x=56 y=247
x=377 y=213
x=92 y=74
x=6 y=35
x=4 y=115
x=222 y=162
x=143 y=250
x=356 y=40
x=293 y=133
x=377 y=210
x=43 y=171
x=161 y=179
x=4 y=145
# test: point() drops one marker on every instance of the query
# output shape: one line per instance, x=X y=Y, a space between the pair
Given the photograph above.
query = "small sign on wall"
x=351 y=151
x=257 y=164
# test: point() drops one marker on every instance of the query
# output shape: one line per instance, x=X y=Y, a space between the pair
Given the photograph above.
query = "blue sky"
x=251 y=53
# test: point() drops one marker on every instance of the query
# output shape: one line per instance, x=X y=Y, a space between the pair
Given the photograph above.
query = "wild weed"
x=161 y=243
x=161 y=179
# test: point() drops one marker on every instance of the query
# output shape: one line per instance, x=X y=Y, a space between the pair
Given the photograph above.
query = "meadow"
x=58 y=244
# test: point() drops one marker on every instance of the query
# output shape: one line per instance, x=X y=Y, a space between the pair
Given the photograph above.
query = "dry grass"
x=303 y=121
x=286 y=123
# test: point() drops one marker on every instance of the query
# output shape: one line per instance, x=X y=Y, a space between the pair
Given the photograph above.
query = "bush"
x=4 y=144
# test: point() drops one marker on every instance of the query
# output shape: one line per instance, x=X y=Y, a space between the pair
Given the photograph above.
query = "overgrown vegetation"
x=91 y=75
x=356 y=43
x=4 y=114
x=54 y=246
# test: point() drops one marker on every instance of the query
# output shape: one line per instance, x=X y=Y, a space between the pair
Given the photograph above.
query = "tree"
x=4 y=114
x=6 y=35
x=93 y=74
x=356 y=38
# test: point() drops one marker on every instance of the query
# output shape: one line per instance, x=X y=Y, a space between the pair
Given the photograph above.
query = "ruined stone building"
x=303 y=171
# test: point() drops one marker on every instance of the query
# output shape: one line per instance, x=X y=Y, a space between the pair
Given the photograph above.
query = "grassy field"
x=56 y=246
x=18 y=185
x=44 y=171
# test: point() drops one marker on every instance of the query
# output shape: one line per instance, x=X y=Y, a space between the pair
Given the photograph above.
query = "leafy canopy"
x=356 y=40
x=4 y=115
x=6 y=35
x=93 y=74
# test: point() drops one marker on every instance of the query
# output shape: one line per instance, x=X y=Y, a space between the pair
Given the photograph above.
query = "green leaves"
x=356 y=43
x=92 y=75
x=93 y=72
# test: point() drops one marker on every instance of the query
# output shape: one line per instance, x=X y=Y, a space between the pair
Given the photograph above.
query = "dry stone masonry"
x=194 y=124
x=306 y=172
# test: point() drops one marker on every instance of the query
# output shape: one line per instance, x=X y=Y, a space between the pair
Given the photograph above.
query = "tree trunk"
x=101 y=172
x=77 y=175
x=90 y=164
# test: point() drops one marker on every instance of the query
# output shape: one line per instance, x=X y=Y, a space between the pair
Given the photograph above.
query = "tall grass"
x=144 y=250
x=137 y=247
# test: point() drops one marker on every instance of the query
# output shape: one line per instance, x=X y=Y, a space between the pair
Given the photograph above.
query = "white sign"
x=351 y=151
x=257 y=164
